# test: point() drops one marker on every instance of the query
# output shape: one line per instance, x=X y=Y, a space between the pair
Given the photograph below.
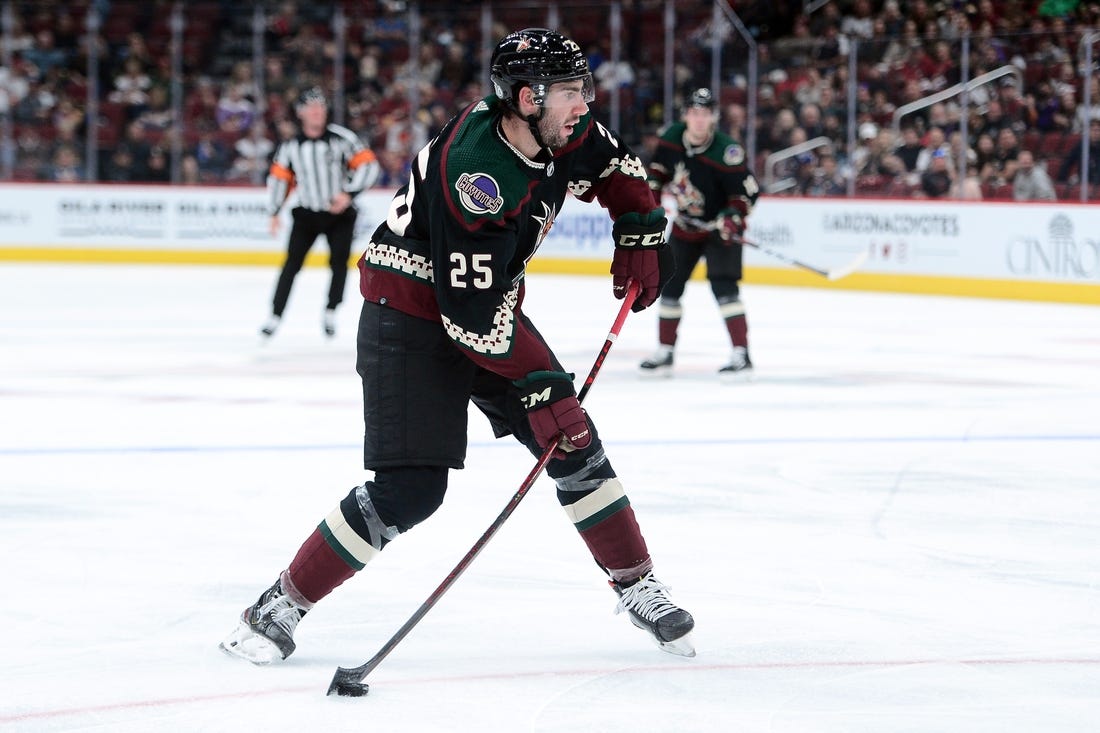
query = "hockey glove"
x=553 y=411
x=641 y=254
x=731 y=226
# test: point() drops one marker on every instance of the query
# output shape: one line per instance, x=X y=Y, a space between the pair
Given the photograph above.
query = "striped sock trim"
x=670 y=310
x=353 y=549
x=598 y=506
x=730 y=310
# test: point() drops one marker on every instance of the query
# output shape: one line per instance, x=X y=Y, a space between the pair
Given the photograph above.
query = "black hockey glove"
x=641 y=254
x=553 y=410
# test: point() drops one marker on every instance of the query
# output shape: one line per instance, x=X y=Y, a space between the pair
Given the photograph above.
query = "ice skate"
x=270 y=326
x=330 y=322
x=658 y=365
x=266 y=631
x=739 y=368
x=646 y=601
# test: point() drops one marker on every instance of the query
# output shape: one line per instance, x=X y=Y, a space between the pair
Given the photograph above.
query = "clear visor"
x=569 y=93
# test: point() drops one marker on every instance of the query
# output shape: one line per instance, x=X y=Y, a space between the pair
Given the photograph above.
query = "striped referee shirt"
x=319 y=168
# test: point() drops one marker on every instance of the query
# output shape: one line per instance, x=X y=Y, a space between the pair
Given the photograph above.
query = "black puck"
x=349 y=689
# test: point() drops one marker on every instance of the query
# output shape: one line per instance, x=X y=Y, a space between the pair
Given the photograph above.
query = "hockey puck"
x=349 y=689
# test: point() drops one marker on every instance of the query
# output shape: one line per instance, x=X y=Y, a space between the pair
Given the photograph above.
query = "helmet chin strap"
x=545 y=155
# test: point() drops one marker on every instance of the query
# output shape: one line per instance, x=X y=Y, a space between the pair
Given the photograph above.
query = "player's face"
x=699 y=121
x=565 y=104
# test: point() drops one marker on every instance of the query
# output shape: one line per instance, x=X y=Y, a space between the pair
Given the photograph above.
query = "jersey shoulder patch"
x=733 y=154
x=726 y=150
x=482 y=180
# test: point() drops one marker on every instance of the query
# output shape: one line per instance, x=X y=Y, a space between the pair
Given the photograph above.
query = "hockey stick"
x=349 y=682
x=832 y=274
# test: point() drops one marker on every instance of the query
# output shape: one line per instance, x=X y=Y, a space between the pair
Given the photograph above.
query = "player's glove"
x=731 y=226
x=641 y=254
x=553 y=410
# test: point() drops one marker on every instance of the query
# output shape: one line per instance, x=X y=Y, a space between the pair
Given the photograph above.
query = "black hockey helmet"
x=537 y=58
x=312 y=95
x=701 y=97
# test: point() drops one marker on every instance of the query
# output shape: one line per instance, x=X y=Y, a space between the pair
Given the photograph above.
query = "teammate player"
x=705 y=170
x=327 y=165
x=443 y=325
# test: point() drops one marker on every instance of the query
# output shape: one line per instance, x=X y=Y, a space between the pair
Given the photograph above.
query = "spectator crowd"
x=1023 y=129
x=1022 y=137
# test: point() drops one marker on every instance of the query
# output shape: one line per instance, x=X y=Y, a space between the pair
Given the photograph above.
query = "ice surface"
x=896 y=527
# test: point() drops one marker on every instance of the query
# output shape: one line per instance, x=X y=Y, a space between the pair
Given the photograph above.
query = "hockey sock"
x=666 y=331
x=736 y=323
x=343 y=543
x=669 y=313
x=608 y=527
x=317 y=569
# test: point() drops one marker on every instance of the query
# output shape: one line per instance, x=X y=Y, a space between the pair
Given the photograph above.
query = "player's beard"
x=550 y=128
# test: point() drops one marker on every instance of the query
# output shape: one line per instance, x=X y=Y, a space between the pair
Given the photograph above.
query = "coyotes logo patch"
x=479 y=193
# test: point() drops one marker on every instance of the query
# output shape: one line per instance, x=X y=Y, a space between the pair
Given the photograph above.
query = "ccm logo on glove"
x=641 y=239
x=642 y=255
x=533 y=399
x=553 y=410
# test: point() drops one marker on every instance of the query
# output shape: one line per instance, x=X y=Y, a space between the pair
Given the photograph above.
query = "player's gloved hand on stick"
x=553 y=410
x=731 y=226
x=641 y=254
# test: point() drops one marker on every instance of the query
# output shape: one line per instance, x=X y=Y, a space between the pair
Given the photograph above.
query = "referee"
x=326 y=166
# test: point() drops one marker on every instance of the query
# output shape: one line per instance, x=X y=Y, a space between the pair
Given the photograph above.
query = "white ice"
x=895 y=527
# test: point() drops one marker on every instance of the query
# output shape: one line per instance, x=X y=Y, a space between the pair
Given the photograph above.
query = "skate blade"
x=658 y=373
x=745 y=375
x=682 y=647
x=244 y=643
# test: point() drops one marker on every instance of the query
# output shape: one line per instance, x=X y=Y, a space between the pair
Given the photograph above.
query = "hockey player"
x=705 y=171
x=443 y=325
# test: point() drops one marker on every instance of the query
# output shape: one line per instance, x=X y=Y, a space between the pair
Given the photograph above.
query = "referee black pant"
x=308 y=225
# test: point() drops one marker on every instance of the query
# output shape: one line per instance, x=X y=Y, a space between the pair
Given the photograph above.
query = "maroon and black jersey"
x=457 y=239
x=705 y=181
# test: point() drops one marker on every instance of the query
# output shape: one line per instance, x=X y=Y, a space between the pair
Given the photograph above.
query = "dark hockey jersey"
x=457 y=239
x=704 y=182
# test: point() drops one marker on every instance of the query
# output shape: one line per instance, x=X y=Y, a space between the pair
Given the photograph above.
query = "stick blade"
x=346 y=683
x=846 y=270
